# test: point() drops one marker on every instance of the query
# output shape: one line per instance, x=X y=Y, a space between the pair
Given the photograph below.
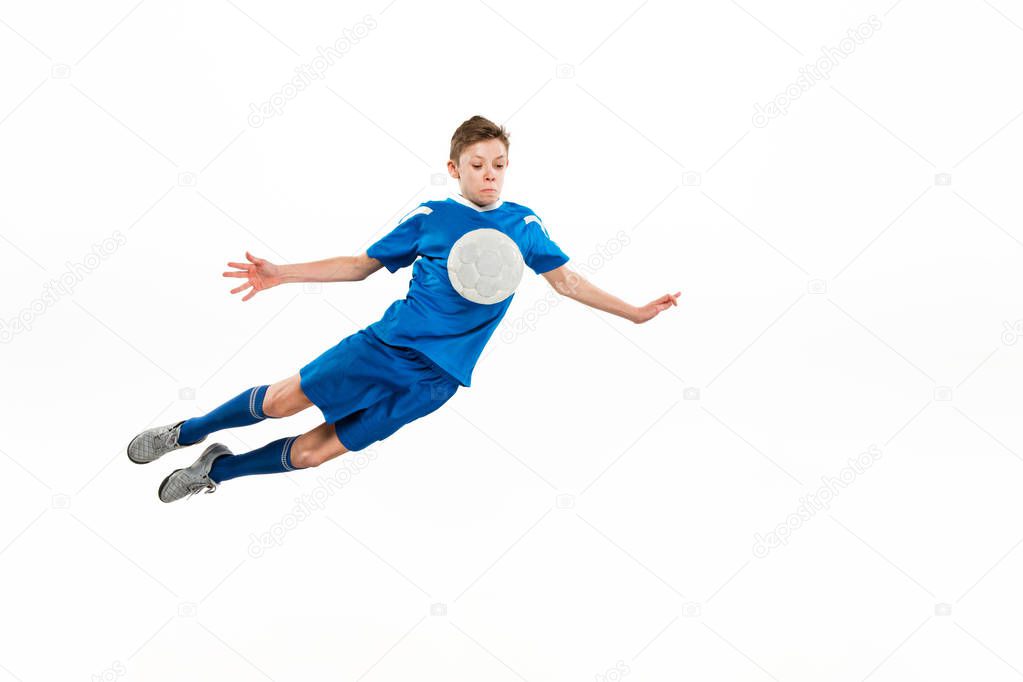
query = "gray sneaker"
x=153 y=443
x=195 y=478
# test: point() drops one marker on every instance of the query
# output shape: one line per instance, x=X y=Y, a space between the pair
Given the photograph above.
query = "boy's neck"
x=460 y=198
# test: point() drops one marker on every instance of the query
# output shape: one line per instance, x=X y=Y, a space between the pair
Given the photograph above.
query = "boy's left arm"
x=573 y=285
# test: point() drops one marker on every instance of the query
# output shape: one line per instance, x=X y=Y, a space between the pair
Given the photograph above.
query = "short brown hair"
x=474 y=130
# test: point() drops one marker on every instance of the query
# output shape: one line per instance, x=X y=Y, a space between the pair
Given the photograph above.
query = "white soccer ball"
x=485 y=266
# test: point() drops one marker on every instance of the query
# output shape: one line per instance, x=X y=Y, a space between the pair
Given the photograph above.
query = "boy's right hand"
x=260 y=273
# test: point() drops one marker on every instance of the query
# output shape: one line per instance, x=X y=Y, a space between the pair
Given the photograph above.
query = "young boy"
x=413 y=359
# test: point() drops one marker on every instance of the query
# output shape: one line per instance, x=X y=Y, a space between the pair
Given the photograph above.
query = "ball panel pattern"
x=485 y=266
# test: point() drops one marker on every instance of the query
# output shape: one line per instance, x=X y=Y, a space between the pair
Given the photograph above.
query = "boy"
x=413 y=359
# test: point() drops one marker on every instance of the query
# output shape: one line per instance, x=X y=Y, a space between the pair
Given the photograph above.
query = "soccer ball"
x=485 y=266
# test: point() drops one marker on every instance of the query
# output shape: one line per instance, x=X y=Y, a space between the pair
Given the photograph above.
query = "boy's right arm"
x=261 y=274
x=337 y=269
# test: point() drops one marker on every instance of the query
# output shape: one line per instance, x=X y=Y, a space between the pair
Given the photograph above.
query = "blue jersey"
x=433 y=318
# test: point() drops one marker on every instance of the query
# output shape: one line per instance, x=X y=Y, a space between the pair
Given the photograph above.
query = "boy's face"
x=480 y=171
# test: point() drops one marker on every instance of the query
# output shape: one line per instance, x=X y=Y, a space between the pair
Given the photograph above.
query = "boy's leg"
x=252 y=405
x=255 y=404
x=285 y=454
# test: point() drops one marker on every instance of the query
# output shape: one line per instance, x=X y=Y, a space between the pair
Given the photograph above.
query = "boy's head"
x=479 y=157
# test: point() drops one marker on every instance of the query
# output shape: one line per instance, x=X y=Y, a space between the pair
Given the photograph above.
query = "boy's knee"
x=312 y=454
x=272 y=403
x=303 y=457
x=283 y=398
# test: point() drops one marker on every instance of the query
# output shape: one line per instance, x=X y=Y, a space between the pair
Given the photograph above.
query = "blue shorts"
x=369 y=389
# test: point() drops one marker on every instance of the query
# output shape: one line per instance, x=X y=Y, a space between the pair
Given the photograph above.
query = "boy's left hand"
x=650 y=310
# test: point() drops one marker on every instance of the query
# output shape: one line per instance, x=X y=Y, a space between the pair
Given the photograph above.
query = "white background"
x=589 y=508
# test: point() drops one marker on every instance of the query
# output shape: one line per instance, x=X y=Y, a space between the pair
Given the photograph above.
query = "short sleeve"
x=400 y=247
x=542 y=253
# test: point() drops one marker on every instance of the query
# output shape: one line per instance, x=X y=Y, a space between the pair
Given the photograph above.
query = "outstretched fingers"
x=242 y=271
x=248 y=271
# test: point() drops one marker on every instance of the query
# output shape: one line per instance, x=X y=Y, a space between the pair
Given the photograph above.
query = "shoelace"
x=209 y=486
x=167 y=438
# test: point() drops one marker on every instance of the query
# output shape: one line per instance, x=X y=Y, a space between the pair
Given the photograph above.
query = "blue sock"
x=272 y=458
x=244 y=409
